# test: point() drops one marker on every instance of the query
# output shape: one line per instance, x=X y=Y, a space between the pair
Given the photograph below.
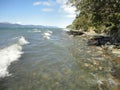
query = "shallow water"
x=52 y=60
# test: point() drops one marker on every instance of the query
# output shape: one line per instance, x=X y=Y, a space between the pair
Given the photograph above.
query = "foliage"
x=104 y=15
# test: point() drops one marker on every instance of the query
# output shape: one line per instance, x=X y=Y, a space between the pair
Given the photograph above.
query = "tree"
x=100 y=13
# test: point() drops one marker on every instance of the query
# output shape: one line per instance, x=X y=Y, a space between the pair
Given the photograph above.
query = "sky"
x=37 y=12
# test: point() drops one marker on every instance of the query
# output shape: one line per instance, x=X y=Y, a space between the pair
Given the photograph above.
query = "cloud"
x=68 y=9
x=42 y=3
x=47 y=3
x=61 y=1
x=18 y=22
x=36 y=3
x=47 y=9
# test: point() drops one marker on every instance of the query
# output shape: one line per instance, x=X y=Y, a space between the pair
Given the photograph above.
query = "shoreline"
x=103 y=44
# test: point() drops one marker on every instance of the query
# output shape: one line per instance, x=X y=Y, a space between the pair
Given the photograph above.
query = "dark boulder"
x=99 y=40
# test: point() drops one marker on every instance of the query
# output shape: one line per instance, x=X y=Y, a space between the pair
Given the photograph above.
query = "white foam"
x=47 y=34
x=22 y=41
x=10 y=54
x=36 y=30
x=65 y=29
x=46 y=37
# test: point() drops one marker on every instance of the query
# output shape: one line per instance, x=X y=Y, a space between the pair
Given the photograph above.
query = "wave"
x=36 y=30
x=47 y=34
x=10 y=54
x=65 y=29
x=50 y=32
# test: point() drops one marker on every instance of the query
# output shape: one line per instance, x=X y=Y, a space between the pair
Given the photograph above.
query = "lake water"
x=49 y=59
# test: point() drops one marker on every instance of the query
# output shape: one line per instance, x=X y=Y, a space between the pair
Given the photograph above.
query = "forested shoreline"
x=101 y=16
x=98 y=22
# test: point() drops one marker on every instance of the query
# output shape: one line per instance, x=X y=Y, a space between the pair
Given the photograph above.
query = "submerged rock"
x=116 y=52
x=117 y=60
x=115 y=71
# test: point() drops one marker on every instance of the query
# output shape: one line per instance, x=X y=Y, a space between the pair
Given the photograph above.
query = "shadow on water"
x=3 y=83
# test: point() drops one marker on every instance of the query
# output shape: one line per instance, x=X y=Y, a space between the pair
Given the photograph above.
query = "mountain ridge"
x=15 y=25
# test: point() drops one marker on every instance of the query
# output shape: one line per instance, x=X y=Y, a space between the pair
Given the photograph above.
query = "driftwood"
x=75 y=32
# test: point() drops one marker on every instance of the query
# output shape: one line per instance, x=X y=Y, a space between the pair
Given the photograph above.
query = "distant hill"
x=11 y=25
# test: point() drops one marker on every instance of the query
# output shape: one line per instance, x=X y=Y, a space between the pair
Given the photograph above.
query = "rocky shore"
x=75 y=32
x=105 y=45
x=99 y=40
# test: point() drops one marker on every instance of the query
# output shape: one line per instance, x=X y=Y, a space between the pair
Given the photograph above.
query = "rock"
x=96 y=62
x=90 y=32
x=116 y=51
x=100 y=52
x=86 y=65
x=116 y=72
x=100 y=68
x=102 y=84
x=117 y=60
x=99 y=40
x=99 y=48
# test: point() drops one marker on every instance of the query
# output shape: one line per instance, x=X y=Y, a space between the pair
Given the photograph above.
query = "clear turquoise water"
x=51 y=60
